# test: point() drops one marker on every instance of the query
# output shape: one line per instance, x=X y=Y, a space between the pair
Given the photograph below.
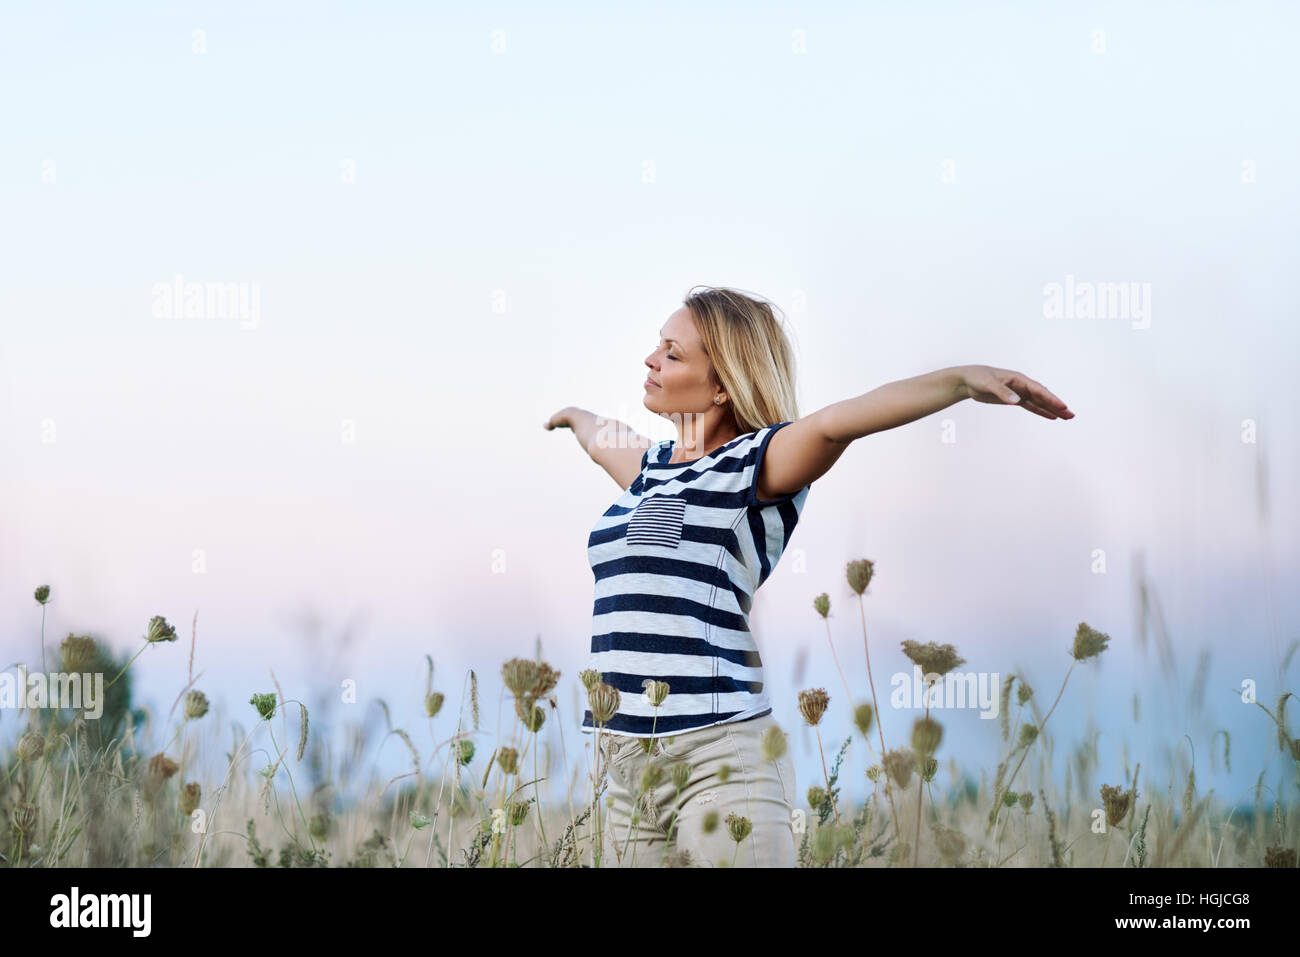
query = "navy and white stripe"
x=677 y=560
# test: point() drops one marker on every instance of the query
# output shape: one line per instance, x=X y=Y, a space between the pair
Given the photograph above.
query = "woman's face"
x=680 y=375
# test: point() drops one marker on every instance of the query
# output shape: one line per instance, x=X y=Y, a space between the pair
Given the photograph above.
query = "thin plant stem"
x=830 y=797
x=889 y=791
x=997 y=811
x=848 y=695
x=916 y=850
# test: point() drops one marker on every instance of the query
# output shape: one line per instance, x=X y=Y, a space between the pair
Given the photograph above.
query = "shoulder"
x=654 y=453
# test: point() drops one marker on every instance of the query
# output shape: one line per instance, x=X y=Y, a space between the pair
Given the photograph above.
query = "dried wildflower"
x=433 y=703
x=159 y=630
x=812 y=704
x=824 y=844
x=724 y=773
x=78 y=653
x=738 y=826
x=655 y=691
x=931 y=658
x=1010 y=799
x=43 y=594
x=929 y=767
x=1117 y=802
x=899 y=765
x=1023 y=692
x=520 y=676
x=547 y=679
x=859 y=574
x=508 y=759
x=1279 y=856
x=822 y=604
x=319 y=826
x=157 y=772
x=31 y=746
x=1026 y=800
x=466 y=748
x=23 y=818
x=680 y=858
x=816 y=796
x=710 y=822
x=603 y=700
x=190 y=795
x=863 y=716
x=950 y=843
x=873 y=773
x=681 y=775
x=1028 y=734
x=926 y=735
x=419 y=821
x=264 y=703
x=1088 y=643
x=773 y=743
x=532 y=715
x=651 y=776
x=589 y=677
x=518 y=812
x=196 y=705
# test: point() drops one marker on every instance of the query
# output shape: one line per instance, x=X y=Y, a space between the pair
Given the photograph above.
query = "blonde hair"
x=750 y=353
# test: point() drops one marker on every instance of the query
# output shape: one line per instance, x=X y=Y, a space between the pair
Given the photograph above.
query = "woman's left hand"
x=1005 y=387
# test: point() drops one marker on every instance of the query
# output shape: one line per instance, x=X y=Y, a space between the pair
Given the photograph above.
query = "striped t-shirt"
x=677 y=560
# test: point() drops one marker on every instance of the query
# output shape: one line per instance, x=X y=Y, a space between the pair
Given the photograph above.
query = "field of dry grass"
x=107 y=791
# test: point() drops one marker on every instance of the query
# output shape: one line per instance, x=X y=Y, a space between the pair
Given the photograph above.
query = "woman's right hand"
x=560 y=420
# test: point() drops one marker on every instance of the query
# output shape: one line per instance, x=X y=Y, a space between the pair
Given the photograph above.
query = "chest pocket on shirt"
x=657 y=520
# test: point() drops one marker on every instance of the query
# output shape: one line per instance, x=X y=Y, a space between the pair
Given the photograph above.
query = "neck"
x=698 y=435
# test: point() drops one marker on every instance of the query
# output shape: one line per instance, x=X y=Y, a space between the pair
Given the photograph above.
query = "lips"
x=651 y=382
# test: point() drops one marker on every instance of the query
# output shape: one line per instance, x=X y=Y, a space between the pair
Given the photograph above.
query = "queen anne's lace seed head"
x=508 y=759
x=899 y=765
x=1088 y=643
x=1117 y=801
x=932 y=658
x=926 y=735
x=78 y=653
x=159 y=630
x=739 y=827
x=196 y=705
x=859 y=574
x=603 y=700
x=31 y=746
x=773 y=744
x=812 y=704
x=655 y=691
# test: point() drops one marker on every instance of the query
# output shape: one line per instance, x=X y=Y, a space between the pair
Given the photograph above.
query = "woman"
x=702 y=521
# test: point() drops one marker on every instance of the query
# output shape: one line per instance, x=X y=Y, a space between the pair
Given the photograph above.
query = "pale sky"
x=457 y=221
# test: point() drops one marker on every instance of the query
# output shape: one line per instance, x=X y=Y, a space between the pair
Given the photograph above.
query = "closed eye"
x=673 y=357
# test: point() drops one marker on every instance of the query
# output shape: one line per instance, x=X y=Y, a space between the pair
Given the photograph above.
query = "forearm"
x=596 y=432
x=891 y=405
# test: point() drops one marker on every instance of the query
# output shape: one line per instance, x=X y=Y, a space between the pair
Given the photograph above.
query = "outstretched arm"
x=804 y=451
x=614 y=446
